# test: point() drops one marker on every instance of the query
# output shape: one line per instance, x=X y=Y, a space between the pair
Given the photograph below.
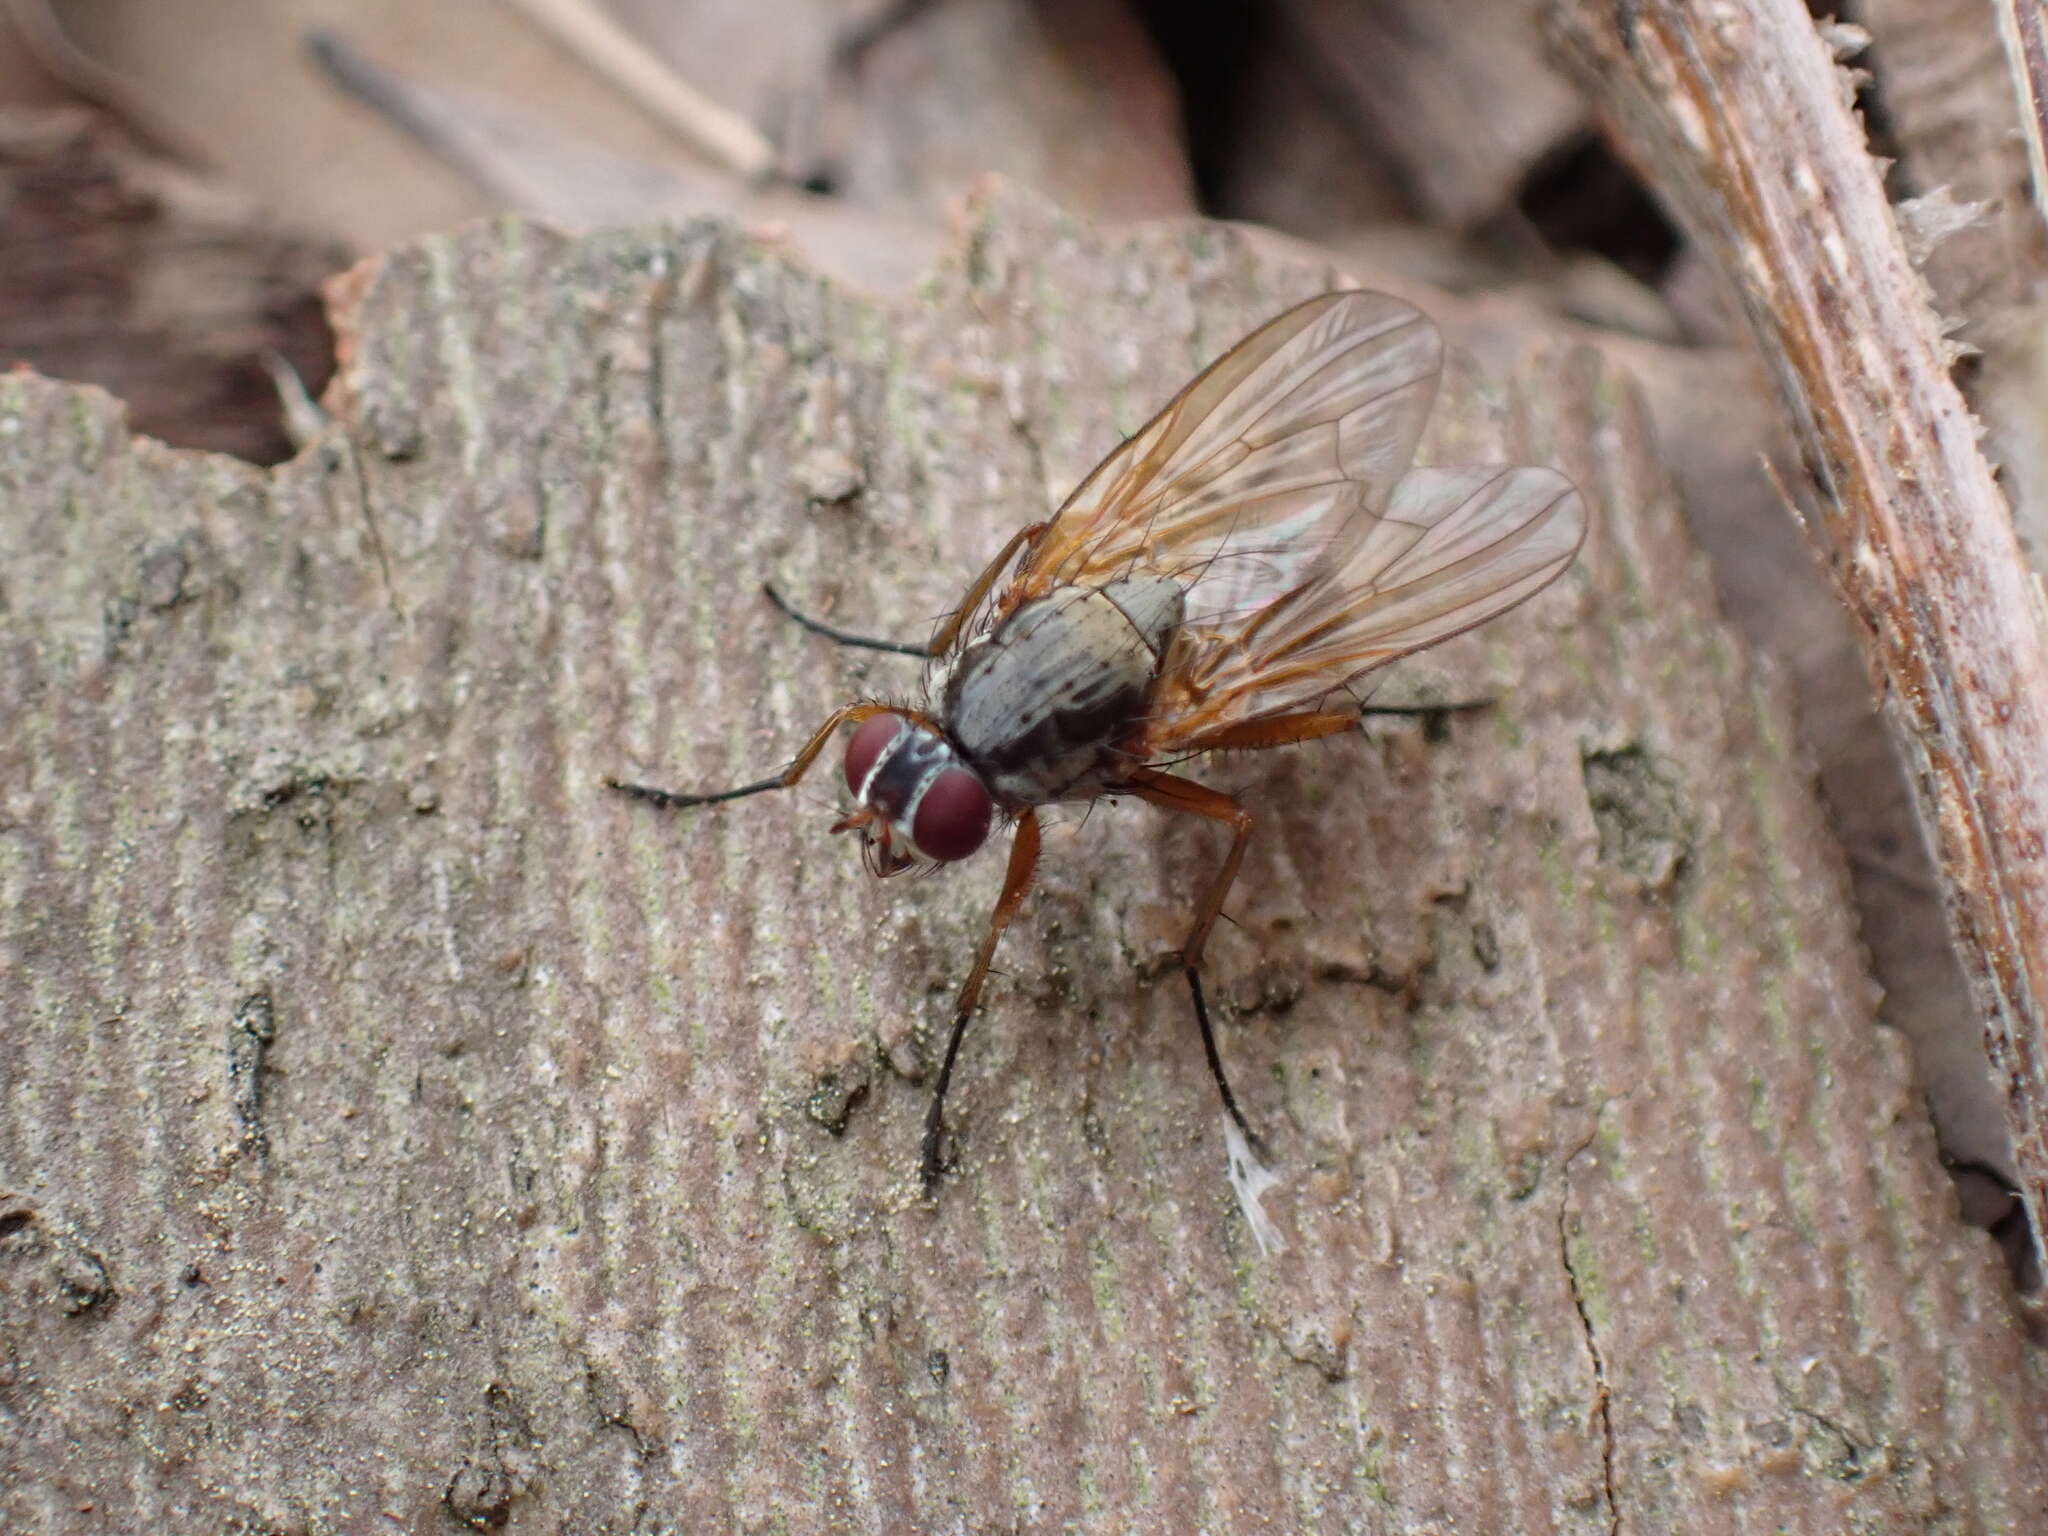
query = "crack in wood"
x=1603 y=1404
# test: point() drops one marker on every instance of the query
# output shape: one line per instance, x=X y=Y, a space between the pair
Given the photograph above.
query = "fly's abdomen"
x=1036 y=705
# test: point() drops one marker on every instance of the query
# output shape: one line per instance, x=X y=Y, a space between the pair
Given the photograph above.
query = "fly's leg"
x=1172 y=793
x=1176 y=794
x=670 y=800
x=1285 y=730
x=1425 y=711
x=1016 y=883
x=948 y=633
x=1023 y=538
x=841 y=636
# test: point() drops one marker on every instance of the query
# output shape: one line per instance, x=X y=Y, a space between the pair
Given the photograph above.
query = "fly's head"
x=918 y=802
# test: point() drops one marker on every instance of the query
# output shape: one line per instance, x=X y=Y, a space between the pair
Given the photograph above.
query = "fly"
x=1215 y=584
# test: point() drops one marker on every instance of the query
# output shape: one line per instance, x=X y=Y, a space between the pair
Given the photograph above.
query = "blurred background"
x=181 y=176
x=1405 y=136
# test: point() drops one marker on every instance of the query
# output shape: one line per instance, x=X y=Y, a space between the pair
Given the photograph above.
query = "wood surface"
x=401 y=1130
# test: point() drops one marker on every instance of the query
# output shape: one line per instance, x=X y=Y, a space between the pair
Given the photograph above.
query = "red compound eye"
x=952 y=818
x=874 y=735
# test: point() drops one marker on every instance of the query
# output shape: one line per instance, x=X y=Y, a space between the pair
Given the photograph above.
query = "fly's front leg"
x=840 y=636
x=1176 y=794
x=1023 y=538
x=669 y=799
x=1016 y=883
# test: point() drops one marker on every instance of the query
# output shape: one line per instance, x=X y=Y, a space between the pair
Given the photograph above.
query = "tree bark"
x=399 y=1127
x=119 y=270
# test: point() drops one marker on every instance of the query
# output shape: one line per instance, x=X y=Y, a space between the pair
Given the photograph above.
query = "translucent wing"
x=1452 y=549
x=1259 y=469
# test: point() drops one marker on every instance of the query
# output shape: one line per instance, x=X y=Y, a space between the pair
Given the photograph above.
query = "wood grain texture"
x=399 y=1127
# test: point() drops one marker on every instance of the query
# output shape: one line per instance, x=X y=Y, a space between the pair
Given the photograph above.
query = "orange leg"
x=1016 y=882
x=1023 y=538
x=668 y=799
x=1176 y=794
x=1185 y=795
x=1310 y=725
x=1280 y=731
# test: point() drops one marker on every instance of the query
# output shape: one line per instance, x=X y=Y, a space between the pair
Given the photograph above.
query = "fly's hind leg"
x=1176 y=794
x=1172 y=793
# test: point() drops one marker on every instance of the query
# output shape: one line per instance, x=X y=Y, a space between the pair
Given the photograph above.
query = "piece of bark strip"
x=586 y=1197
x=120 y=270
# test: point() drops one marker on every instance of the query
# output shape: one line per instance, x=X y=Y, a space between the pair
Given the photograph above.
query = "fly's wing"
x=1452 y=549
x=1259 y=469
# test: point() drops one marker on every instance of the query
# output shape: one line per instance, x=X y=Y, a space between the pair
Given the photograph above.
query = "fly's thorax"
x=918 y=799
x=1038 y=704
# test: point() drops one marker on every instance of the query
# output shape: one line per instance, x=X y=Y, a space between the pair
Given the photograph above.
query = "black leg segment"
x=1216 y=1062
x=840 y=636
